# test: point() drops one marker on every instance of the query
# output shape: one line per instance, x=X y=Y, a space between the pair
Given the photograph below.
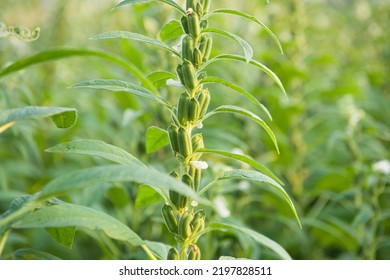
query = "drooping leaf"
x=156 y=138
x=117 y=85
x=251 y=175
x=246 y=159
x=259 y=238
x=63 y=235
x=135 y=37
x=62 y=117
x=252 y=18
x=132 y=172
x=238 y=89
x=169 y=2
x=72 y=215
x=246 y=113
x=159 y=78
x=255 y=63
x=95 y=148
x=248 y=50
x=171 y=30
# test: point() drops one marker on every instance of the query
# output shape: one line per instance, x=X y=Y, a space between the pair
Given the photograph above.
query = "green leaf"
x=259 y=238
x=248 y=50
x=171 y=30
x=169 y=2
x=156 y=138
x=252 y=18
x=159 y=249
x=117 y=85
x=63 y=235
x=255 y=63
x=62 y=117
x=133 y=172
x=146 y=196
x=135 y=37
x=31 y=254
x=72 y=215
x=246 y=113
x=242 y=174
x=228 y=258
x=238 y=89
x=95 y=148
x=159 y=78
x=243 y=158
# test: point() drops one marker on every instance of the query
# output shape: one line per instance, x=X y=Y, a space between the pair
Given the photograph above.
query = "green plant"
x=184 y=189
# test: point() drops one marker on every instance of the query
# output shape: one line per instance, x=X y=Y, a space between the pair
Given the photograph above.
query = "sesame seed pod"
x=182 y=108
x=170 y=218
x=203 y=43
x=189 y=75
x=185 y=146
x=197 y=57
x=173 y=254
x=173 y=140
x=173 y=195
x=184 y=224
x=194 y=253
x=204 y=101
x=187 y=49
x=184 y=24
x=197 y=178
x=191 y=4
x=179 y=72
x=187 y=179
x=193 y=24
x=206 y=5
x=193 y=110
x=207 y=52
x=199 y=9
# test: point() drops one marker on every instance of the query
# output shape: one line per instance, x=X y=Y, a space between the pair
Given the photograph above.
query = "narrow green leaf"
x=62 y=117
x=252 y=18
x=156 y=138
x=259 y=238
x=255 y=63
x=146 y=196
x=246 y=159
x=248 y=50
x=171 y=30
x=243 y=174
x=95 y=148
x=63 y=235
x=246 y=113
x=72 y=215
x=31 y=254
x=133 y=172
x=117 y=85
x=238 y=89
x=159 y=78
x=135 y=37
x=169 y=2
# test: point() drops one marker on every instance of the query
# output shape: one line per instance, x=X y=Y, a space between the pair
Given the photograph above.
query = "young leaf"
x=259 y=238
x=255 y=176
x=62 y=117
x=135 y=37
x=171 y=30
x=252 y=18
x=95 y=148
x=117 y=85
x=156 y=138
x=255 y=63
x=238 y=89
x=244 y=112
x=72 y=215
x=246 y=159
x=169 y=2
x=248 y=50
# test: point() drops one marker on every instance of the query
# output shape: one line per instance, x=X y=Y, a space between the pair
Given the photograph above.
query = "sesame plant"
x=188 y=208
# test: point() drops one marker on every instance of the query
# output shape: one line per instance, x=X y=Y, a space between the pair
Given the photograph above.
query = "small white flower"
x=199 y=124
x=221 y=207
x=199 y=164
x=172 y=82
x=194 y=203
x=382 y=166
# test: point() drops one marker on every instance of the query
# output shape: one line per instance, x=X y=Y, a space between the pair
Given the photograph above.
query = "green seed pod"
x=197 y=223
x=185 y=146
x=197 y=142
x=193 y=24
x=194 y=253
x=191 y=4
x=170 y=218
x=193 y=110
x=183 y=202
x=204 y=24
x=208 y=48
x=172 y=133
x=204 y=101
x=187 y=48
x=197 y=177
x=206 y=5
x=179 y=72
x=173 y=254
x=199 y=9
x=197 y=57
x=184 y=224
x=174 y=196
x=189 y=75
x=182 y=108
x=184 y=24
x=187 y=179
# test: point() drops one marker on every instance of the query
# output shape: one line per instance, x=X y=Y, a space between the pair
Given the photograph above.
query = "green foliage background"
x=332 y=130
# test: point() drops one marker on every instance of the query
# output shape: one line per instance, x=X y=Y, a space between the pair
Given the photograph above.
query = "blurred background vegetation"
x=333 y=129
